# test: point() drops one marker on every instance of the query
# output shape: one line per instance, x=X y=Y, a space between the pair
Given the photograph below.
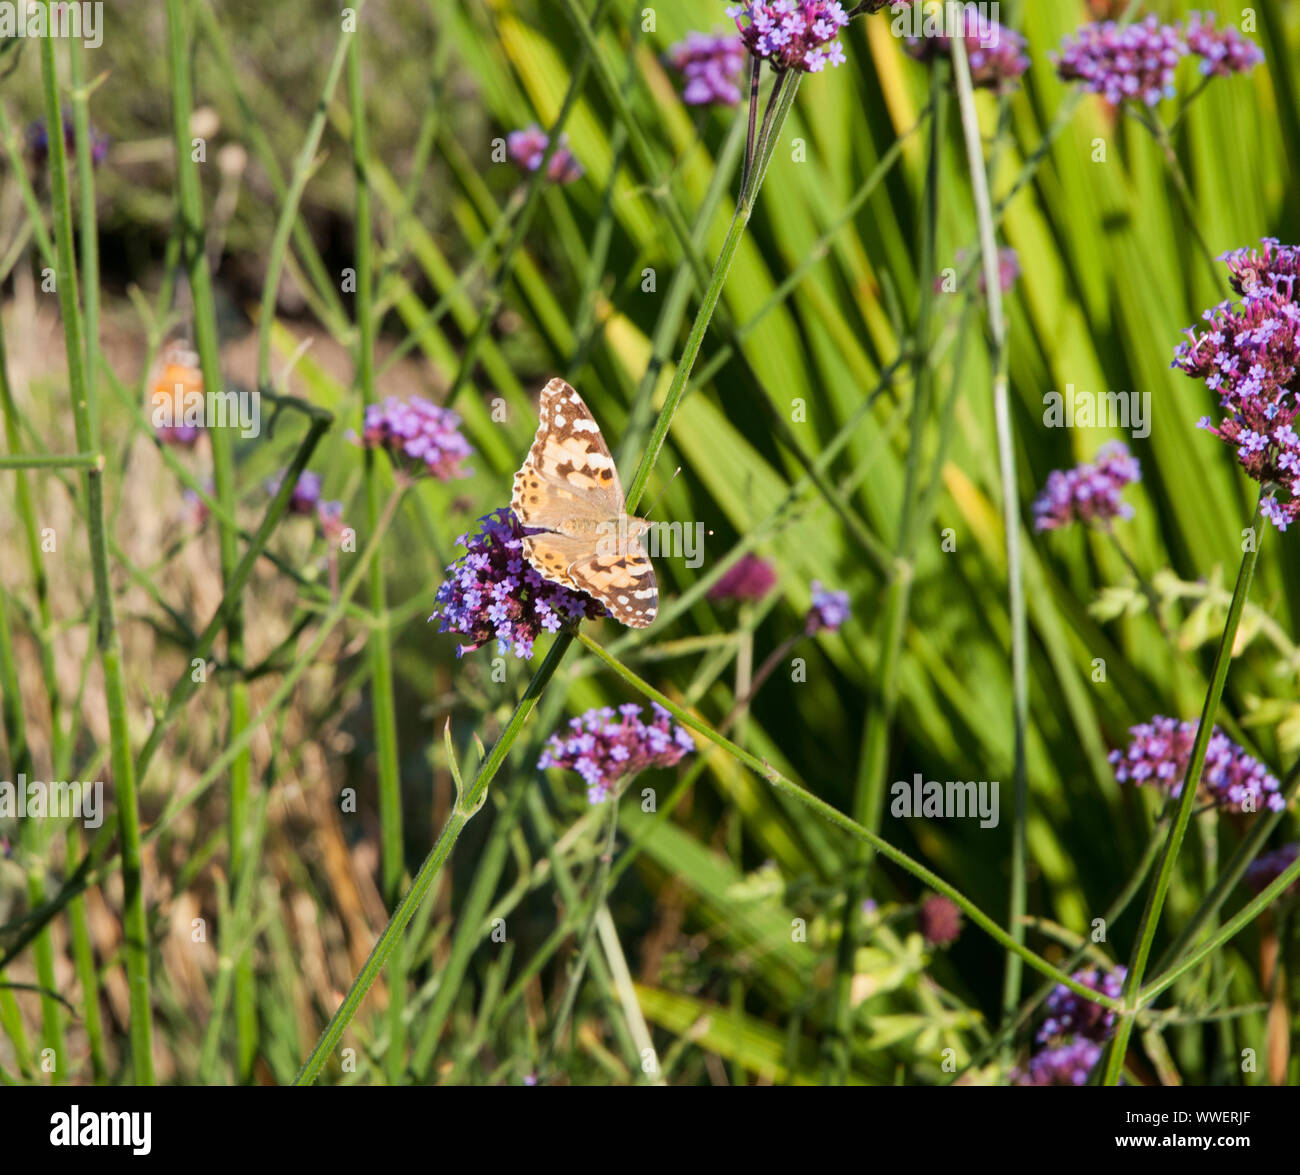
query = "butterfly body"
x=568 y=488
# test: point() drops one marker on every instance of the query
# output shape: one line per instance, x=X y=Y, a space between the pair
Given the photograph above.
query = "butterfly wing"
x=569 y=472
x=624 y=583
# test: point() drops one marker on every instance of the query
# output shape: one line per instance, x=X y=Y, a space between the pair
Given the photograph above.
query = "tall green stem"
x=135 y=925
x=1113 y=1059
x=381 y=655
x=194 y=254
x=1010 y=516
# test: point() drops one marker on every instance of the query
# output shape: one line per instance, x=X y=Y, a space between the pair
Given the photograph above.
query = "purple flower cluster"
x=492 y=591
x=1008 y=270
x=305 y=495
x=1272 y=268
x=1070 y=1014
x=996 y=55
x=526 y=148
x=1249 y=353
x=604 y=749
x=38 y=142
x=939 y=920
x=1065 y=1064
x=829 y=610
x=748 y=578
x=1161 y=751
x=419 y=436
x=1123 y=62
x=1088 y=492
x=1137 y=62
x=792 y=34
x=1268 y=867
x=1224 y=51
x=710 y=66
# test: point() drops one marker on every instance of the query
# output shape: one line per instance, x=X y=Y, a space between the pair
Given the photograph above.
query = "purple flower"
x=709 y=66
x=1134 y=62
x=1088 y=493
x=38 y=141
x=604 y=749
x=829 y=610
x=1271 y=269
x=526 y=148
x=420 y=437
x=748 y=578
x=996 y=55
x=792 y=34
x=939 y=920
x=1249 y=353
x=1065 y=1064
x=1161 y=752
x=1070 y=1014
x=305 y=496
x=1268 y=867
x=330 y=517
x=492 y=591
x=1223 y=52
x=1008 y=270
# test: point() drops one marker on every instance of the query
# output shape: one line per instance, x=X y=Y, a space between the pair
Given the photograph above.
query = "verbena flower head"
x=605 y=748
x=828 y=612
x=748 y=578
x=1070 y=1014
x=1065 y=1064
x=305 y=495
x=526 y=148
x=1008 y=270
x=1223 y=52
x=1268 y=867
x=792 y=34
x=1249 y=353
x=38 y=142
x=493 y=591
x=710 y=67
x=996 y=55
x=1133 y=62
x=330 y=517
x=1161 y=752
x=1089 y=492
x=420 y=437
x=1273 y=268
x=939 y=920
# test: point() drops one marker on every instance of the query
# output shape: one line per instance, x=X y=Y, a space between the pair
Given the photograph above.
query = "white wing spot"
x=574 y=398
x=559 y=420
x=585 y=426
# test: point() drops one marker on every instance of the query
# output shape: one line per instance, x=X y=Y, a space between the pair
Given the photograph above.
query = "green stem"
x=869 y=791
x=135 y=924
x=193 y=237
x=1113 y=1059
x=284 y=227
x=467 y=804
x=586 y=938
x=1010 y=515
x=383 y=710
x=837 y=818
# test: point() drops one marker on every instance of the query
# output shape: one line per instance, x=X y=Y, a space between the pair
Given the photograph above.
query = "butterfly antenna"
x=661 y=493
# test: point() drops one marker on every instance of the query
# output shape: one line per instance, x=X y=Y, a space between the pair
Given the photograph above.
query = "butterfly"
x=568 y=488
x=173 y=384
